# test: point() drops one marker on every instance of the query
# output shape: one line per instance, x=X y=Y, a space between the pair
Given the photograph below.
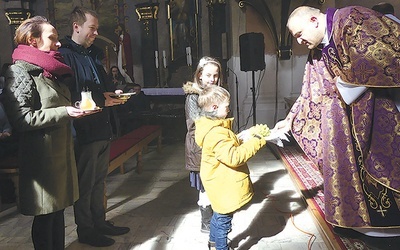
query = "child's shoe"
x=211 y=245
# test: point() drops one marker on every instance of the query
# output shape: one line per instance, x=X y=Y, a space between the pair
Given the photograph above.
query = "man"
x=93 y=133
x=140 y=100
x=346 y=119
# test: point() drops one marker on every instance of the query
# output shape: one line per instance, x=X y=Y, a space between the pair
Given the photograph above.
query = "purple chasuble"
x=356 y=146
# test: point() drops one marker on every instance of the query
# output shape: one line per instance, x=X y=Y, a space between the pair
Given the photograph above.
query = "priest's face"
x=307 y=30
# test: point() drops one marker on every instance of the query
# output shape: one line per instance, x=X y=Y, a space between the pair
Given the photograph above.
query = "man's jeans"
x=220 y=226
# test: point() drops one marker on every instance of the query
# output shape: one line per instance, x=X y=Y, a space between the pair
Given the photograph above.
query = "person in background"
x=125 y=60
x=208 y=72
x=8 y=148
x=346 y=119
x=5 y=132
x=8 y=144
x=117 y=78
x=2 y=76
x=224 y=172
x=93 y=133
x=5 y=127
x=38 y=105
x=130 y=114
x=139 y=102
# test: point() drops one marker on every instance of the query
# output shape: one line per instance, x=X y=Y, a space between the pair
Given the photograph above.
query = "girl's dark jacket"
x=192 y=112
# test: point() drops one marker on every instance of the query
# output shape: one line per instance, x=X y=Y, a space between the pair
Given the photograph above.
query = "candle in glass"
x=164 y=59
x=156 y=58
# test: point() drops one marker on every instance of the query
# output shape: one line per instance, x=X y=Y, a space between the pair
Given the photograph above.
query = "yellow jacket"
x=223 y=171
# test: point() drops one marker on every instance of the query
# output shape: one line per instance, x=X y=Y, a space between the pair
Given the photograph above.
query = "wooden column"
x=151 y=57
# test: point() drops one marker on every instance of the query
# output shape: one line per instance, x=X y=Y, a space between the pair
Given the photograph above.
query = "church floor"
x=160 y=208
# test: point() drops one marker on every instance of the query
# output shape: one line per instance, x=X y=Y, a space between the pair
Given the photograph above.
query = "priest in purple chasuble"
x=346 y=119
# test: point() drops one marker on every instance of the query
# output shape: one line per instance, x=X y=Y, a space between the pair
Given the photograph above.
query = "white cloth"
x=396 y=97
x=349 y=92
x=277 y=137
x=120 y=61
x=274 y=137
x=245 y=135
x=379 y=232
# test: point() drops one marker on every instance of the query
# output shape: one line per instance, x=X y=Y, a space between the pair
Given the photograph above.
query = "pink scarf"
x=51 y=62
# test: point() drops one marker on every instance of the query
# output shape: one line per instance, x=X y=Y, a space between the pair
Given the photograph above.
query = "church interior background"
x=158 y=44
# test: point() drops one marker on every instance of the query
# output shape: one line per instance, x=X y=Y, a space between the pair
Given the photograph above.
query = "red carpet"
x=309 y=180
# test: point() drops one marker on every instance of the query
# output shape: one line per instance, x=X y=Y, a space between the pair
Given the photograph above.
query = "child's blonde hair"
x=203 y=62
x=211 y=95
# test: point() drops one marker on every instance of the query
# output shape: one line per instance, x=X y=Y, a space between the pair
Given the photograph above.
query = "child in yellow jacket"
x=223 y=168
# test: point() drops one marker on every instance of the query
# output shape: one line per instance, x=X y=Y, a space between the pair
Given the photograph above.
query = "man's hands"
x=110 y=101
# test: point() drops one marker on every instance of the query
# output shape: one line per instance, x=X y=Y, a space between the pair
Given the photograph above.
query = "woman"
x=117 y=78
x=38 y=106
x=208 y=72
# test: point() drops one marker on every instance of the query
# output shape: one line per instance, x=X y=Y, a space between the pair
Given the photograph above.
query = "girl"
x=208 y=72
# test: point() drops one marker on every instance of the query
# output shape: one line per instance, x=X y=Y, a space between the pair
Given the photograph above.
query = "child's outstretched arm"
x=233 y=153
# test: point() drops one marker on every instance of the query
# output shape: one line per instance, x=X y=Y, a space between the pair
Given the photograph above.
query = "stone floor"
x=160 y=208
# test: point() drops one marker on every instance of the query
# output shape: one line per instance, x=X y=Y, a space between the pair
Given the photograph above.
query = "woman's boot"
x=206 y=214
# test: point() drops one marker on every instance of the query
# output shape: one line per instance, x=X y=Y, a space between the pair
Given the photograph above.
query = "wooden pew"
x=126 y=146
x=135 y=142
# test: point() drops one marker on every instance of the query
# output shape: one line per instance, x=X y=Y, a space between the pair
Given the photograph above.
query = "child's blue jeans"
x=220 y=226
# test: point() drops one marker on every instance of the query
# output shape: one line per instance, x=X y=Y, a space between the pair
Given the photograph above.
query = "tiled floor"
x=160 y=208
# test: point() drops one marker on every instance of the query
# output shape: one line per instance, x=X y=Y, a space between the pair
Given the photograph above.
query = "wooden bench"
x=126 y=146
x=135 y=142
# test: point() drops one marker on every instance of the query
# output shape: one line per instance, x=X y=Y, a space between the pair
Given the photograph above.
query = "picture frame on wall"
x=182 y=18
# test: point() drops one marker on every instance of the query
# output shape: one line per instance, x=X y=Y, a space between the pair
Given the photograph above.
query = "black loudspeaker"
x=251 y=51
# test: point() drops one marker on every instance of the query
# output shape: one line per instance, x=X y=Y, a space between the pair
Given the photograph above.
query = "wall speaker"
x=251 y=51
